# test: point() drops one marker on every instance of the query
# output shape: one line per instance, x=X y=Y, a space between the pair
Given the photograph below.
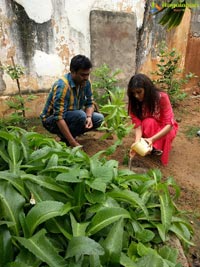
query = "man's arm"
x=63 y=127
x=89 y=111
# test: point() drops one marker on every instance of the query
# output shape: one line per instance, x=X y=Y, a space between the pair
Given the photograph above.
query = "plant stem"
x=19 y=89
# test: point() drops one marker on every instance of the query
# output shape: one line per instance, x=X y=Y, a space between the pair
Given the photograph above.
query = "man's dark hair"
x=80 y=62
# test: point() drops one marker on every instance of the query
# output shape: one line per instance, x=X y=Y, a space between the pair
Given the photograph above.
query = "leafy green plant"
x=116 y=119
x=112 y=104
x=60 y=207
x=17 y=103
x=105 y=81
x=169 y=75
x=15 y=72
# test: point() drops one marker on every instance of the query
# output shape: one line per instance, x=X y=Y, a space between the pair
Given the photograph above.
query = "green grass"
x=191 y=131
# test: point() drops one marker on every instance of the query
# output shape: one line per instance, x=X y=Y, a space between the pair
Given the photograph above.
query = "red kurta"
x=153 y=123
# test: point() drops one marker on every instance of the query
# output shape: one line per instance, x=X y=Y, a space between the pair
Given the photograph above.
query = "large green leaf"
x=166 y=206
x=161 y=230
x=97 y=184
x=82 y=245
x=14 y=151
x=143 y=250
x=18 y=264
x=78 y=229
x=71 y=176
x=129 y=197
x=3 y=151
x=181 y=231
x=44 y=211
x=145 y=235
x=105 y=217
x=6 y=248
x=6 y=135
x=113 y=244
x=25 y=147
x=43 y=249
x=168 y=253
x=12 y=203
x=27 y=258
x=94 y=261
x=4 y=222
x=44 y=194
x=55 y=169
x=14 y=167
x=153 y=259
x=103 y=172
x=95 y=196
x=36 y=140
x=14 y=180
x=59 y=225
x=144 y=187
x=79 y=195
x=53 y=161
x=40 y=154
x=46 y=182
x=183 y=221
x=126 y=261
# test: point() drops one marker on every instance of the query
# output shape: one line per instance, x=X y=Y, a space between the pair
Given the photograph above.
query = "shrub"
x=17 y=102
x=105 y=81
x=169 y=75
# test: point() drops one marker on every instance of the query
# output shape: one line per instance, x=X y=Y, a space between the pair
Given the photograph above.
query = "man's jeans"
x=75 y=120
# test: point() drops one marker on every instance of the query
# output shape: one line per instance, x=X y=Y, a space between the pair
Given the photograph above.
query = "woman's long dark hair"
x=151 y=95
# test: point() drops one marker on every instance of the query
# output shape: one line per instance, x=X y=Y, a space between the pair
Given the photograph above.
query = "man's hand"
x=74 y=143
x=89 y=123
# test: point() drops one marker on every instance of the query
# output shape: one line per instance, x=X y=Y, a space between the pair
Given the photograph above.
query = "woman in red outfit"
x=152 y=115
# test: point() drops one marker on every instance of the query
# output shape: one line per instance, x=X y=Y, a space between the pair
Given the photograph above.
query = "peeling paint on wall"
x=28 y=34
x=46 y=64
x=38 y=10
x=129 y=6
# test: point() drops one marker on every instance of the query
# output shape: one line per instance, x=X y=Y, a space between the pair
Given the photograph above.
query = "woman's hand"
x=159 y=135
x=132 y=154
x=149 y=141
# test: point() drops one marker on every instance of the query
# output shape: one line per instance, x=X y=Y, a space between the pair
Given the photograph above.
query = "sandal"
x=156 y=152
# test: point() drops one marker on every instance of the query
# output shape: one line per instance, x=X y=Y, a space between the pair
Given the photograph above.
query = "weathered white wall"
x=37 y=10
x=69 y=34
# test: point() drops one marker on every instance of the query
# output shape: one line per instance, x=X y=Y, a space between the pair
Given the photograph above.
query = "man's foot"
x=156 y=152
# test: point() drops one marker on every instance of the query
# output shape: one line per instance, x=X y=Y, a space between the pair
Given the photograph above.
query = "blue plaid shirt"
x=65 y=96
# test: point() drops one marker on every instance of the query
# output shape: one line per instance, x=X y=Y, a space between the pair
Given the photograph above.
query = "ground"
x=184 y=164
